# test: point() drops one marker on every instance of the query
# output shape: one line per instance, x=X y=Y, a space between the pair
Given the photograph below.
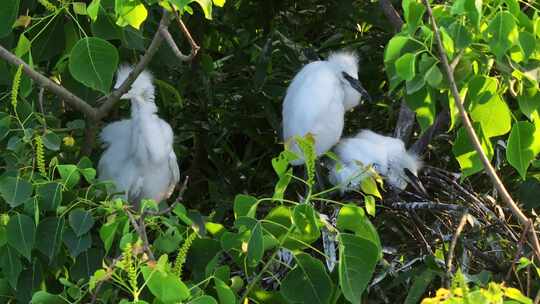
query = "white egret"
x=317 y=99
x=387 y=155
x=139 y=155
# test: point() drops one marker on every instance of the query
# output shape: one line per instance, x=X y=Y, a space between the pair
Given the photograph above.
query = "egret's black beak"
x=415 y=182
x=355 y=84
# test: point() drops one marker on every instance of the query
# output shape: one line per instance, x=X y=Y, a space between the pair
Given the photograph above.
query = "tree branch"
x=194 y=46
x=113 y=98
x=524 y=221
x=391 y=14
x=50 y=85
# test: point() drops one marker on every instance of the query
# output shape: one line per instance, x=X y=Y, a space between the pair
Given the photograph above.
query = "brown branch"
x=194 y=46
x=169 y=39
x=113 y=98
x=141 y=231
x=524 y=221
x=519 y=249
x=391 y=14
x=50 y=85
x=452 y=248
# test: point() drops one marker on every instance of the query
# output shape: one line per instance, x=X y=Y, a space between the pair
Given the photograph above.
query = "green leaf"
x=255 y=249
x=219 y=3
x=8 y=15
x=165 y=286
x=69 y=174
x=93 y=9
x=49 y=236
x=51 y=141
x=79 y=8
x=15 y=191
x=357 y=260
x=447 y=42
x=419 y=286
x=5 y=122
x=21 y=232
x=527 y=42
x=23 y=46
x=394 y=48
x=434 y=76
x=370 y=204
x=50 y=196
x=107 y=233
x=43 y=297
x=529 y=103
x=206 y=6
x=423 y=105
x=523 y=146
x=308 y=282
x=225 y=293
x=352 y=218
x=502 y=33
x=130 y=12
x=76 y=245
x=203 y=300
x=460 y=34
x=369 y=186
x=245 y=205
x=81 y=221
x=86 y=264
x=11 y=265
x=405 y=66
x=93 y=62
x=468 y=159
x=494 y=116
x=414 y=15
x=305 y=220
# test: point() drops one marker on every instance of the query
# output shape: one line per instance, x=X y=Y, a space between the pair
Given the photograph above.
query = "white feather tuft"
x=142 y=87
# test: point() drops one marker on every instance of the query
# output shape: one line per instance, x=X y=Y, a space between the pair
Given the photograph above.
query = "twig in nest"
x=519 y=249
x=426 y=205
x=452 y=248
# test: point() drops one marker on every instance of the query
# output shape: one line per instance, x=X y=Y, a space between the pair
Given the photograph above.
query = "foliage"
x=63 y=239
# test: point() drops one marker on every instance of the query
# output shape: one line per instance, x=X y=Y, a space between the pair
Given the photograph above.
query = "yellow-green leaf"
x=131 y=13
x=523 y=146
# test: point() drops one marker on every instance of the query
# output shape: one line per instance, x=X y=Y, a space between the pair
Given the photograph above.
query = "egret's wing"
x=308 y=98
x=116 y=132
x=116 y=139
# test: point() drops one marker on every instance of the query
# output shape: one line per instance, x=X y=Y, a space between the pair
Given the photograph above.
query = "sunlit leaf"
x=466 y=155
x=405 y=66
x=502 y=33
x=130 y=12
x=523 y=146
x=255 y=249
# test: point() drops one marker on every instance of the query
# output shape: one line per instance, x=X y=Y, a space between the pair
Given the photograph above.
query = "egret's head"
x=403 y=169
x=347 y=64
x=141 y=89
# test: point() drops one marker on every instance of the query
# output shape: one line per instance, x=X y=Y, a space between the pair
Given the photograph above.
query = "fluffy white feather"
x=387 y=155
x=139 y=155
x=316 y=101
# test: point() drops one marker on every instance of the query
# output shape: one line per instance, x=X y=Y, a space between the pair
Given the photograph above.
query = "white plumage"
x=387 y=155
x=139 y=155
x=317 y=99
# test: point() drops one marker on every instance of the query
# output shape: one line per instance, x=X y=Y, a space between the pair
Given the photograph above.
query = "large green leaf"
x=255 y=249
x=50 y=196
x=130 y=12
x=487 y=107
x=357 y=260
x=308 y=282
x=86 y=264
x=49 y=236
x=523 y=146
x=414 y=14
x=468 y=159
x=93 y=62
x=15 y=191
x=167 y=287
x=76 y=245
x=352 y=218
x=529 y=102
x=419 y=286
x=70 y=175
x=394 y=48
x=10 y=262
x=225 y=293
x=405 y=66
x=305 y=220
x=423 y=105
x=107 y=233
x=21 y=232
x=502 y=33
x=206 y=6
x=43 y=297
x=245 y=205
x=81 y=221
x=8 y=15
x=203 y=300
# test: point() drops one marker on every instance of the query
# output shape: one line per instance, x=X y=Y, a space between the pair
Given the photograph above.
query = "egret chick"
x=317 y=99
x=387 y=155
x=139 y=155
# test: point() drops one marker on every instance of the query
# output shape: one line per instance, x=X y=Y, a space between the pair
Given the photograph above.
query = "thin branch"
x=519 y=249
x=426 y=206
x=391 y=14
x=50 y=85
x=170 y=41
x=452 y=248
x=141 y=231
x=113 y=98
x=524 y=221
x=194 y=46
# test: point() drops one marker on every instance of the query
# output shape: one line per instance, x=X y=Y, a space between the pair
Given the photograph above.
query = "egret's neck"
x=141 y=106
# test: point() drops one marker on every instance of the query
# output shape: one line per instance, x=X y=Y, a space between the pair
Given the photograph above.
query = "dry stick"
x=518 y=251
x=168 y=37
x=524 y=221
x=141 y=231
x=452 y=248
